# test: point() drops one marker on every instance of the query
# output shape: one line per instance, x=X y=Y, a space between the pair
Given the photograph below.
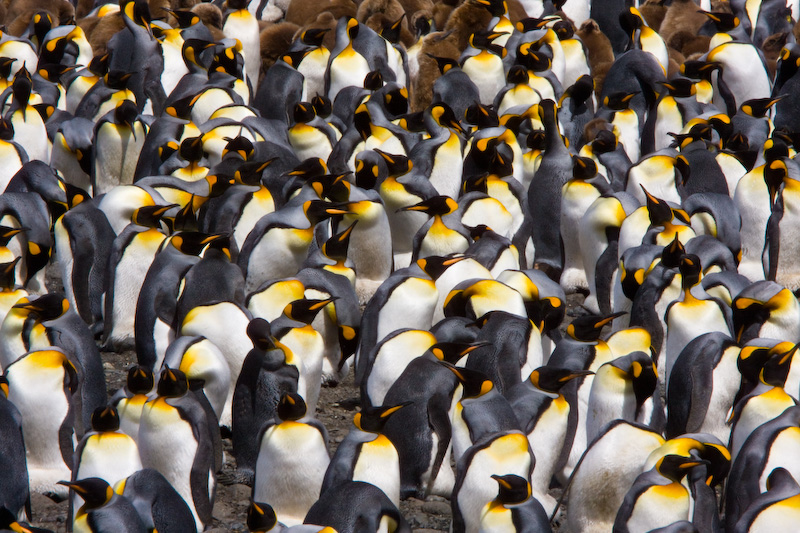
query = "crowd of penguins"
x=260 y=198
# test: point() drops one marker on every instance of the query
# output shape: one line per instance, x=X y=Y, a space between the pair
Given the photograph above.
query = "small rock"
x=438 y=508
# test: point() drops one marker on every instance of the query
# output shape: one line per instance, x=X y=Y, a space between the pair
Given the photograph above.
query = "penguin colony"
x=260 y=197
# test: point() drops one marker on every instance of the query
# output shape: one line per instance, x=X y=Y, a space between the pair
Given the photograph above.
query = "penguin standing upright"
x=241 y=24
x=47 y=416
x=292 y=461
x=657 y=498
x=105 y=452
x=544 y=195
x=175 y=438
x=364 y=448
x=29 y=129
x=118 y=139
x=132 y=254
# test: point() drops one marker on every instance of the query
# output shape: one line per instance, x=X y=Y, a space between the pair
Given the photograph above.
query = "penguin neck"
x=553 y=140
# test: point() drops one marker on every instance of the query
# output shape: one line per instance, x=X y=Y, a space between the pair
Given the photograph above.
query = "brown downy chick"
x=438 y=44
x=211 y=16
x=682 y=15
x=275 y=41
x=301 y=12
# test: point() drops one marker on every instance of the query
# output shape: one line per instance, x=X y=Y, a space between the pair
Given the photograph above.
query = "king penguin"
x=175 y=439
x=292 y=461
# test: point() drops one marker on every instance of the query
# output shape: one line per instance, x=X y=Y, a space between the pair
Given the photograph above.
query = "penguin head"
x=105 y=419
x=184 y=18
x=261 y=517
x=531 y=23
x=675 y=467
x=533 y=60
x=723 y=21
x=8 y=274
x=434 y=206
x=194 y=56
x=259 y=332
x=348 y=342
x=303 y=113
x=443 y=63
x=126 y=113
x=536 y=140
x=452 y=352
x=588 y=328
x=391 y=31
x=435 y=265
x=305 y=310
x=583 y=168
x=322 y=105
x=336 y=247
x=395 y=101
x=680 y=87
x=474 y=382
x=140 y=380
x=21 y=87
x=117 y=79
x=658 y=210
x=95 y=492
x=172 y=384
x=618 y=100
x=242 y=147
x=5 y=67
x=53 y=72
x=351 y=28
x=314 y=36
x=631 y=20
x=4 y=386
x=605 y=141
x=46 y=307
x=482 y=40
x=776 y=369
x=752 y=358
x=551 y=379
x=691 y=271
x=579 y=92
x=150 y=216
x=639 y=369
x=443 y=115
x=516 y=75
x=373 y=419
x=370 y=167
x=512 y=489
x=699 y=70
x=195 y=242
x=310 y=168
x=318 y=210
x=672 y=254
x=496 y=8
x=481 y=116
x=291 y=407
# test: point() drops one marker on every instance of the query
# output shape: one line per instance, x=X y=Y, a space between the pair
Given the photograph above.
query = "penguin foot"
x=236 y=477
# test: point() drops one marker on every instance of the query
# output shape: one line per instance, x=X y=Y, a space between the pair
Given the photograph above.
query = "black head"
x=140 y=380
x=105 y=419
x=173 y=383
x=291 y=407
